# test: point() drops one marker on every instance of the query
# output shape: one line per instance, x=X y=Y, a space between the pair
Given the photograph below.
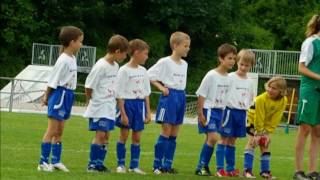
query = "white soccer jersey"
x=168 y=72
x=132 y=83
x=241 y=92
x=214 y=88
x=307 y=50
x=101 y=80
x=64 y=72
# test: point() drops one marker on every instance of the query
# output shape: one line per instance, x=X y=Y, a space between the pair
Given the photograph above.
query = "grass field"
x=21 y=135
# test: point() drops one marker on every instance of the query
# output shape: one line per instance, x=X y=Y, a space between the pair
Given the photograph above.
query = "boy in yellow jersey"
x=263 y=118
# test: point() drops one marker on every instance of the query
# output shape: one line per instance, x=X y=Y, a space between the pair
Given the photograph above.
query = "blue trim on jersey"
x=136 y=112
x=171 y=108
x=60 y=103
x=101 y=124
x=214 y=118
x=234 y=123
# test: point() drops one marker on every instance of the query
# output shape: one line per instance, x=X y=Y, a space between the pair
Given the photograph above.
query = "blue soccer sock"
x=135 y=156
x=265 y=162
x=205 y=156
x=102 y=151
x=45 y=152
x=220 y=154
x=159 y=149
x=248 y=159
x=121 y=153
x=230 y=158
x=94 y=151
x=169 y=153
x=56 y=152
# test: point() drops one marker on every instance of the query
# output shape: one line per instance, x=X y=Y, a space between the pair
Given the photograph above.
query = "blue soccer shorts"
x=234 y=123
x=213 y=117
x=136 y=112
x=101 y=124
x=60 y=103
x=171 y=108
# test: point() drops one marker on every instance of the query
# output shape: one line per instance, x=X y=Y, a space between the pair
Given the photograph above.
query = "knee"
x=100 y=139
x=316 y=131
x=135 y=141
x=304 y=131
x=212 y=140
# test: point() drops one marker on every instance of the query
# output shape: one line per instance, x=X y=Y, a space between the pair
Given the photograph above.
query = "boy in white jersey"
x=212 y=99
x=59 y=98
x=100 y=94
x=169 y=75
x=240 y=98
x=133 y=90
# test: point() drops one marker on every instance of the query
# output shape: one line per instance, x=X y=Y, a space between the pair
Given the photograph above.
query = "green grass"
x=21 y=136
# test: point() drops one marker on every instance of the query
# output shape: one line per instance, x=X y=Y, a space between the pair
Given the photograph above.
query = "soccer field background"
x=21 y=136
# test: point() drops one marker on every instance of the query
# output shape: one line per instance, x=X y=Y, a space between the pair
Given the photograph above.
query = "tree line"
x=258 y=24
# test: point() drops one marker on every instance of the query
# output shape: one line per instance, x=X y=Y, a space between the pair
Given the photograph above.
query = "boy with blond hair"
x=241 y=94
x=212 y=99
x=169 y=75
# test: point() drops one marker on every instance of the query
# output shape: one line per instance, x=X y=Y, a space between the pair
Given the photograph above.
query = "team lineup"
x=227 y=107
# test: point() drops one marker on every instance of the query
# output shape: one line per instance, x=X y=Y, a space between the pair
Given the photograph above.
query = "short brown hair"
x=281 y=83
x=225 y=49
x=178 y=37
x=69 y=33
x=137 y=45
x=247 y=56
x=117 y=42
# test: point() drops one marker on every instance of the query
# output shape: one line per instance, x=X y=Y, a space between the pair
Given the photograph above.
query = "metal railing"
x=276 y=62
x=47 y=54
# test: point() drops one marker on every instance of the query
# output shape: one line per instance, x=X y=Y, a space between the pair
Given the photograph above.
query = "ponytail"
x=313 y=26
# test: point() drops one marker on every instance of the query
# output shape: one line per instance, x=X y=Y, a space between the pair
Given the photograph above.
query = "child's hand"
x=148 y=118
x=124 y=120
x=165 y=91
x=202 y=120
x=44 y=100
x=264 y=140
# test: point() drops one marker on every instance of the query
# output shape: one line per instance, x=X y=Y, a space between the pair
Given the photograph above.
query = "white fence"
x=46 y=54
x=275 y=62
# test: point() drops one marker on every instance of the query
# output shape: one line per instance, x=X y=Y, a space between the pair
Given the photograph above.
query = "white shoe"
x=137 y=170
x=121 y=169
x=248 y=175
x=45 y=167
x=60 y=166
x=157 y=171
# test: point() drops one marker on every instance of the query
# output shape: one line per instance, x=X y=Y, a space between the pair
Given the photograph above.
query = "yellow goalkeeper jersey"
x=267 y=113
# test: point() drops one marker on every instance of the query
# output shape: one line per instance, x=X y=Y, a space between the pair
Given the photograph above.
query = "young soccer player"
x=263 y=118
x=169 y=75
x=59 y=98
x=212 y=99
x=241 y=94
x=309 y=102
x=133 y=90
x=100 y=94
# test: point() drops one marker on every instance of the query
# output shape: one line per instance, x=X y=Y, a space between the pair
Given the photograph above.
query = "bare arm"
x=158 y=85
x=46 y=96
x=201 y=116
x=305 y=71
x=123 y=114
x=88 y=93
x=148 y=118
